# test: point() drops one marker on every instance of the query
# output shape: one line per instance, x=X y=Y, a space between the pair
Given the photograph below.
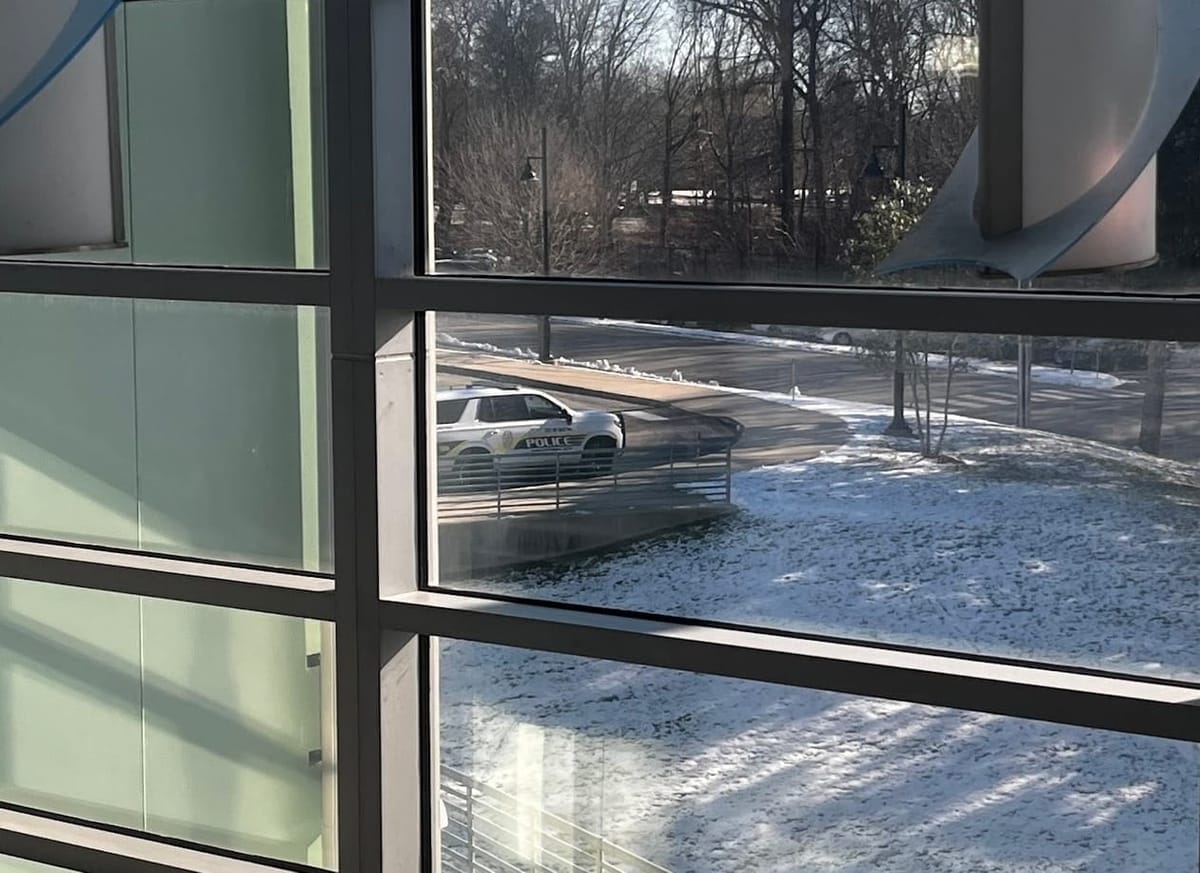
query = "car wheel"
x=841 y=338
x=598 y=456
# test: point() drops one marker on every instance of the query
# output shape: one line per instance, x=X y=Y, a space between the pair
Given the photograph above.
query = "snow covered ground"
x=1029 y=545
x=1041 y=374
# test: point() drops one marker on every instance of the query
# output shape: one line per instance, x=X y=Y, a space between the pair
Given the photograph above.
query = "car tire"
x=841 y=338
x=598 y=456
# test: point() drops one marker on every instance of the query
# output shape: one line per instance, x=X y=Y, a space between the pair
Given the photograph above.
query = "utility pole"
x=544 y=321
x=528 y=175
x=1024 y=379
x=900 y=427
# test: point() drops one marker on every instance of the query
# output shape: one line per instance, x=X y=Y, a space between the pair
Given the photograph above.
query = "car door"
x=532 y=430
x=452 y=430
x=555 y=433
x=504 y=422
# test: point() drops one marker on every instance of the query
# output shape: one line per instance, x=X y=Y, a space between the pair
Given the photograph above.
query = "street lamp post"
x=530 y=175
x=898 y=425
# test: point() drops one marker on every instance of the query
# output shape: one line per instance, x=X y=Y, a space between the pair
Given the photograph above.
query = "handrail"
x=482 y=486
x=495 y=848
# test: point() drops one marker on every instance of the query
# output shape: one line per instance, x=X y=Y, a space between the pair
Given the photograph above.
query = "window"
x=773 y=466
x=155 y=684
x=196 y=429
x=450 y=411
x=184 y=133
x=540 y=407
x=869 y=540
x=503 y=407
x=602 y=763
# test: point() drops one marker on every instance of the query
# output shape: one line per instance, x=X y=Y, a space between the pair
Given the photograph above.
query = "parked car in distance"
x=473 y=261
x=486 y=435
x=846 y=336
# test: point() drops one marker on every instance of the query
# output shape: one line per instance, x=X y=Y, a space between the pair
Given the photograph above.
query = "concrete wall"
x=183 y=428
x=468 y=546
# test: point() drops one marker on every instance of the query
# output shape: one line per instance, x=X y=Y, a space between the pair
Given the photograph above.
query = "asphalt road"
x=1111 y=416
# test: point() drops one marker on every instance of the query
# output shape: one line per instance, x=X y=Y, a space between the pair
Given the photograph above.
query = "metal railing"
x=647 y=478
x=489 y=831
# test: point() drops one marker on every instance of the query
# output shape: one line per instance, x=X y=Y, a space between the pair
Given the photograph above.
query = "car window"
x=450 y=411
x=507 y=407
x=540 y=407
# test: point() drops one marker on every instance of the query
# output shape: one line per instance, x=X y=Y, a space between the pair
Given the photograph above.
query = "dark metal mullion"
x=427 y=722
x=1044 y=693
x=258 y=589
x=352 y=327
x=1050 y=313
x=95 y=847
x=202 y=284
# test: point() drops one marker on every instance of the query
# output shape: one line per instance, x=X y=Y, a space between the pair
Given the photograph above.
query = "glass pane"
x=191 y=721
x=556 y=763
x=195 y=429
x=752 y=474
x=733 y=142
x=20 y=865
x=185 y=132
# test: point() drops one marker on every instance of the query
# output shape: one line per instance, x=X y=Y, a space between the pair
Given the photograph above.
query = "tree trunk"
x=937 y=452
x=927 y=435
x=665 y=216
x=787 y=121
x=816 y=142
x=916 y=394
x=1158 y=355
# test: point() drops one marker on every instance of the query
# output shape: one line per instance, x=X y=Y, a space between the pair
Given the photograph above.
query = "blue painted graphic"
x=85 y=19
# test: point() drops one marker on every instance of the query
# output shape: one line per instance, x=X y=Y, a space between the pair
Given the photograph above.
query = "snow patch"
x=1041 y=374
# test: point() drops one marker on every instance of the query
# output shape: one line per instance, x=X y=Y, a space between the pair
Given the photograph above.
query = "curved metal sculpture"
x=81 y=24
x=949 y=233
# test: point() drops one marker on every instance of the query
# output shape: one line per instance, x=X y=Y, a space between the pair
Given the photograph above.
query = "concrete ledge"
x=470 y=545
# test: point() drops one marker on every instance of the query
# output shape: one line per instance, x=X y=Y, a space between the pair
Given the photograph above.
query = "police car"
x=488 y=432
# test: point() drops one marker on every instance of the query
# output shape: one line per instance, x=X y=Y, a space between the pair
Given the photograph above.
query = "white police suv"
x=483 y=432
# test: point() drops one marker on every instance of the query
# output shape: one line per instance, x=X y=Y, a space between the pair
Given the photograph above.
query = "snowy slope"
x=1032 y=545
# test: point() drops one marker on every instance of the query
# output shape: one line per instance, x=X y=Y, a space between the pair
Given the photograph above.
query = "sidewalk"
x=774 y=433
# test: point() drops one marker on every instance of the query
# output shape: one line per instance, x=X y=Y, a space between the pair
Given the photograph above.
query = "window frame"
x=381 y=599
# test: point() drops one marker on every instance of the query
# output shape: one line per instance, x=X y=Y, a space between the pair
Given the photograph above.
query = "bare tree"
x=735 y=118
x=737 y=96
x=455 y=35
x=502 y=213
x=616 y=130
x=680 y=111
x=576 y=24
x=777 y=24
x=927 y=355
x=515 y=40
